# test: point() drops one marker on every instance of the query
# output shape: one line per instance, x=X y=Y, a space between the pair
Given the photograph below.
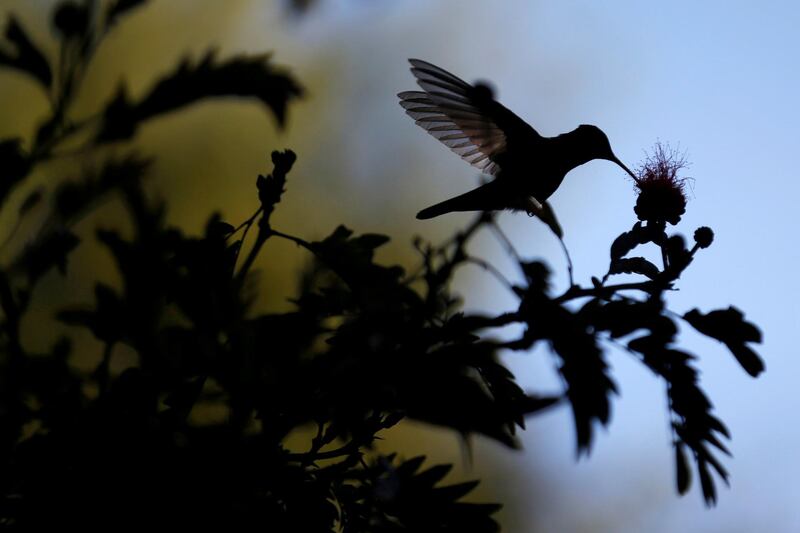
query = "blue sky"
x=718 y=79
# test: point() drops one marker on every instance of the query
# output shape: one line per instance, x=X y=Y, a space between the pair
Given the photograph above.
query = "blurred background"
x=716 y=79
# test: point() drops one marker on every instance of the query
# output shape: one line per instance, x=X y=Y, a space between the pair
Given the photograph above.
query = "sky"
x=718 y=80
x=714 y=79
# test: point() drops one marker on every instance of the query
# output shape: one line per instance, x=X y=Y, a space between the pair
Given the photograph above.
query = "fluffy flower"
x=661 y=191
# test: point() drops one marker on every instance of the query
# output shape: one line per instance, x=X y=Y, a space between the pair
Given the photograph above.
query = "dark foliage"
x=239 y=76
x=365 y=346
x=23 y=55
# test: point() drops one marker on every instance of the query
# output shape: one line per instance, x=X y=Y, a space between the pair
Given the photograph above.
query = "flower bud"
x=71 y=20
x=703 y=236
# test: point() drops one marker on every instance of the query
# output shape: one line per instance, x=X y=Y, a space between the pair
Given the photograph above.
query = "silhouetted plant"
x=365 y=346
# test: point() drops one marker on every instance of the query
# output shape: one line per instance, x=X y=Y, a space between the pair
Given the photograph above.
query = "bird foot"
x=533 y=206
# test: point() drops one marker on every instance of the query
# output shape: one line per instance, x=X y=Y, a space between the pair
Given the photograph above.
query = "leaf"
x=623 y=317
x=370 y=240
x=747 y=358
x=351 y=258
x=626 y=242
x=458 y=491
x=729 y=327
x=217 y=228
x=46 y=253
x=409 y=467
x=400 y=498
x=14 y=166
x=721 y=471
x=31 y=201
x=638 y=235
x=74 y=199
x=106 y=321
x=120 y=118
x=634 y=265
x=392 y=419
x=707 y=484
x=532 y=403
x=582 y=363
x=683 y=474
x=693 y=423
x=458 y=386
x=28 y=58
x=717 y=425
x=589 y=389
x=240 y=76
x=678 y=256
x=433 y=475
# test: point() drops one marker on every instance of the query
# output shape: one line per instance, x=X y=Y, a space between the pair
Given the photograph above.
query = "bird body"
x=527 y=167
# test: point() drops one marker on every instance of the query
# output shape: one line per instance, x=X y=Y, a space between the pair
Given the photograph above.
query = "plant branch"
x=606 y=291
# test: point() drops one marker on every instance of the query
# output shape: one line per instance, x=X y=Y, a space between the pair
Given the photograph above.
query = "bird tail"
x=487 y=197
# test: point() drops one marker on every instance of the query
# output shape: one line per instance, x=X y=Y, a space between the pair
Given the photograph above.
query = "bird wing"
x=463 y=117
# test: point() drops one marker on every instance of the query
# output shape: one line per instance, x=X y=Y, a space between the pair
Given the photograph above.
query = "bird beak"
x=626 y=169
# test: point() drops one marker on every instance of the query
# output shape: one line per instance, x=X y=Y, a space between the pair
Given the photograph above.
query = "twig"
x=569 y=261
x=270 y=190
x=297 y=240
x=606 y=290
x=247 y=223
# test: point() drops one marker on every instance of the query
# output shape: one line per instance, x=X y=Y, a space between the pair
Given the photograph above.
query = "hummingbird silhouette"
x=526 y=166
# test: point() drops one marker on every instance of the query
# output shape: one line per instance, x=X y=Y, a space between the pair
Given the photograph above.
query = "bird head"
x=596 y=144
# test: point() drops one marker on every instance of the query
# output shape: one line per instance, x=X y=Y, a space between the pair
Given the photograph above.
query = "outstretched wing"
x=463 y=117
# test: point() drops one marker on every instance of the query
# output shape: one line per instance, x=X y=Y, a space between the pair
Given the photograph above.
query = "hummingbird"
x=526 y=167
